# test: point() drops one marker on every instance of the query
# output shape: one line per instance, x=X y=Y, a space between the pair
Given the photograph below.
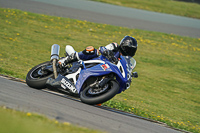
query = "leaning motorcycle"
x=94 y=81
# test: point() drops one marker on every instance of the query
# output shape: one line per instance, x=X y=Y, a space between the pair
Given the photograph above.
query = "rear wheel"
x=37 y=77
x=96 y=95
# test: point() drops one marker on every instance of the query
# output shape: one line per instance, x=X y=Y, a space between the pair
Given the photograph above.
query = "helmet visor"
x=129 y=51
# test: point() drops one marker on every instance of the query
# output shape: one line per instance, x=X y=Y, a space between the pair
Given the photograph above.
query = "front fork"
x=100 y=83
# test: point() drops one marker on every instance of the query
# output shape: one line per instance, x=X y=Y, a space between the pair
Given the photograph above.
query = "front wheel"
x=95 y=95
x=37 y=77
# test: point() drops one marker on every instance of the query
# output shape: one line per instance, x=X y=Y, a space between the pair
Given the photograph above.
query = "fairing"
x=104 y=68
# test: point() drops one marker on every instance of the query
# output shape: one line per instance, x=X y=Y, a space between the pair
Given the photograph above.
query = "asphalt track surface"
x=110 y=14
x=19 y=96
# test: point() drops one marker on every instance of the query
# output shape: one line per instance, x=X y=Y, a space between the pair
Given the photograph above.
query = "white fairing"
x=73 y=75
x=69 y=50
x=93 y=61
x=120 y=67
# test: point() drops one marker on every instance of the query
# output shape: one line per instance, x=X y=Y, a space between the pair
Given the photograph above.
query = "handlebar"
x=110 y=56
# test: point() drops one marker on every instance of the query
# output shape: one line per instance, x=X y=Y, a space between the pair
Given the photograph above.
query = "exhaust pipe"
x=55 y=49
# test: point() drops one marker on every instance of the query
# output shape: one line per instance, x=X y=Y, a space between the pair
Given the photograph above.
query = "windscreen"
x=131 y=63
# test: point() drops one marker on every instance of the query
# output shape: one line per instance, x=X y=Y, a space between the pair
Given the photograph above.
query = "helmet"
x=128 y=46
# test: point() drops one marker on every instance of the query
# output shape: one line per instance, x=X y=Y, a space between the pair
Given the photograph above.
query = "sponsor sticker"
x=105 y=67
x=66 y=84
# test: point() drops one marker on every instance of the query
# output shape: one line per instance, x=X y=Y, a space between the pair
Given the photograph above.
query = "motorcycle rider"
x=127 y=47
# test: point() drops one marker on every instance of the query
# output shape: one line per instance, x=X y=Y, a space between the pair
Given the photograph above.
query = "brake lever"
x=110 y=56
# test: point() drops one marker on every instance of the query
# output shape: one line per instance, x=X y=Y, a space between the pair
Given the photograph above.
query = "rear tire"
x=88 y=98
x=36 y=80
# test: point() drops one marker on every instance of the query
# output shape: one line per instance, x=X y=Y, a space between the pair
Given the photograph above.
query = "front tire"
x=91 y=98
x=36 y=78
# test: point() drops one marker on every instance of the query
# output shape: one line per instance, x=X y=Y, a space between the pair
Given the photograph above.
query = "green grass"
x=168 y=87
x=163 y=6
x=12 y=121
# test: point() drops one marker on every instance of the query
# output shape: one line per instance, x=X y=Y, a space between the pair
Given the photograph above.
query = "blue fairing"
x=98 y=70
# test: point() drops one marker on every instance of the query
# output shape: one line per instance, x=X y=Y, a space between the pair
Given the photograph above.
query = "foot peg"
x=134 y=74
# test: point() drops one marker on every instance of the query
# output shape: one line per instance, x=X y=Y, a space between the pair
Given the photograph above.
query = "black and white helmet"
x=128 y=46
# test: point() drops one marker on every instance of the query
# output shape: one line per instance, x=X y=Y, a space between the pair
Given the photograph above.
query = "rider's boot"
x=69 y=50
x=69 y=59
x=71 y=56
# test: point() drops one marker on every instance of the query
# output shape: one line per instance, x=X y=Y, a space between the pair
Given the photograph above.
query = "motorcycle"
x=94 y=81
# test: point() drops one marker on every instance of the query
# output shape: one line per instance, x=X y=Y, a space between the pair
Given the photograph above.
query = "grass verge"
x=180 y=8
x=168 y=65
x=185 y=126
x=12 y=121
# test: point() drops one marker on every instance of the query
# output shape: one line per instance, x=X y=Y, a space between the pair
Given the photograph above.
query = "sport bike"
x=94 y=81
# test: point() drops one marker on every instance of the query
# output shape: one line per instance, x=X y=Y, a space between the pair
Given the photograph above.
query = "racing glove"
x=109 y=55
